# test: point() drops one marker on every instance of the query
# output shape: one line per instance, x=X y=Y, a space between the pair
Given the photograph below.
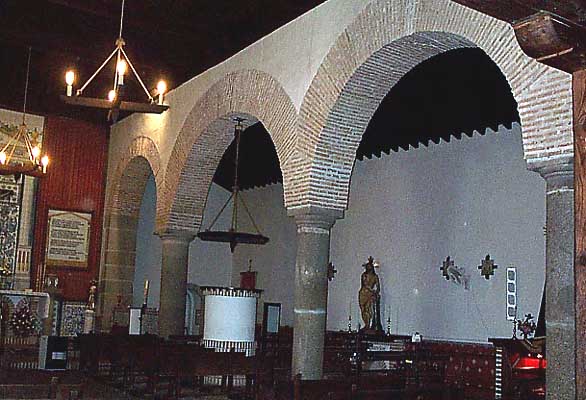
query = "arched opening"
x=148 y=250
x=448 y=179
x=260 y=179
x=205 y=184
x=457 y=92
x=117 y=275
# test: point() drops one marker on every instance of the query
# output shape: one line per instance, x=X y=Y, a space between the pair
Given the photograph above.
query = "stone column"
x=175 y=249
x=311 y=285
x=117 y=268
x=560 y=310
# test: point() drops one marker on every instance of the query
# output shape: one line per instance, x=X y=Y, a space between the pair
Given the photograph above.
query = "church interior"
x=293 y=200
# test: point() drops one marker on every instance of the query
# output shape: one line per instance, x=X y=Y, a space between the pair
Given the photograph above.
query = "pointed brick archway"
x=140 y=160
x=385 y=41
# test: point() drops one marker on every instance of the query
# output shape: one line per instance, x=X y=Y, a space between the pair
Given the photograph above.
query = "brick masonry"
x=316 y=145
x=125 y=195
x=388 y=39
x=124 y=198
x=208 y=131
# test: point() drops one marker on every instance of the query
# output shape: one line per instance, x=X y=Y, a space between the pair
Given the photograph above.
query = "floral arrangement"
x=23 y=322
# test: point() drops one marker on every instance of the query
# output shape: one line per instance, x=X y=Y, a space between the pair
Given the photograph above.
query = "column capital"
x=311 y=219
x=176 y=236
x=558 y=173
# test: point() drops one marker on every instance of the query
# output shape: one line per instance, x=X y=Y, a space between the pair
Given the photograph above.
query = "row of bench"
x=161 y=364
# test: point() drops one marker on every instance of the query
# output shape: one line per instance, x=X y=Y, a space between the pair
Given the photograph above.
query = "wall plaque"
x=68 y=238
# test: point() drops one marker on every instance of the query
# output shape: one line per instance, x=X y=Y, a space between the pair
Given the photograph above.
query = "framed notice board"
x=68 y=238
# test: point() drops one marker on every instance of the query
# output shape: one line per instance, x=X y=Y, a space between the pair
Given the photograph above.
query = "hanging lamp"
x=114 y=101
x=233 y=236
x=14 y=160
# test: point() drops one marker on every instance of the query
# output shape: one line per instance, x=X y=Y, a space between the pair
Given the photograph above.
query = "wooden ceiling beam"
x=553 y=32
x=552 y=41
x=515 y=10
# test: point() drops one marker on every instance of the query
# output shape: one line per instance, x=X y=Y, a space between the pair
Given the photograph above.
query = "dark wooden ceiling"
x=177 y=39
x=454 y=93
x=170 y=39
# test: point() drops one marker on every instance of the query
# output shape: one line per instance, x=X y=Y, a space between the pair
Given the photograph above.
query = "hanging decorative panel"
x=9 y=220
x=72 y=318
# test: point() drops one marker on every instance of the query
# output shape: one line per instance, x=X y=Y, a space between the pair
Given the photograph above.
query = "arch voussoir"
x=208 y=131
x=139 y=160
x=386 y=40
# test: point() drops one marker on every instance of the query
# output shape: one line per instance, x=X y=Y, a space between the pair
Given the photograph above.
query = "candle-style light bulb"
x=2 y=157
x=45 y=163
x=36 y=152
x=161 y=90
x=69 y=79
x=111 y=96
x=121 y=68
x=146 y=292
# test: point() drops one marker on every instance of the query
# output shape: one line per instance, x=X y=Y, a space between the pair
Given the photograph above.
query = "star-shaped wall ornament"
x=446 y=266
x=453 y=273
x=487 y=267
x=332 y=271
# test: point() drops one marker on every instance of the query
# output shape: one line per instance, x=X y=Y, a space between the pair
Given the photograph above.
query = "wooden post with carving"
x=579 y=89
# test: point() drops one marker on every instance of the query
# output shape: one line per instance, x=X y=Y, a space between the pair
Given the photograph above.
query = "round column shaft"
x=560 y=311
x=311 y=285
x=175 y=256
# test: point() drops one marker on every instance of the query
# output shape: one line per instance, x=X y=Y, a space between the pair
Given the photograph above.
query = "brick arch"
x=140 y=160
x=208 y=131
x=120 y=199
x=386 y=40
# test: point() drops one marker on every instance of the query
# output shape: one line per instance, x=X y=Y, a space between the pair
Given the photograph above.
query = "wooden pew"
x=174 y=366
x=142 y=359
x=325 y=389
x=95 y=353
x=130 y=359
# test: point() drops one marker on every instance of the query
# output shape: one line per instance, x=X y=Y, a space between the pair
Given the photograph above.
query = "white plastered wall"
x=410 y=210
x=209 y=263
x=291 y=54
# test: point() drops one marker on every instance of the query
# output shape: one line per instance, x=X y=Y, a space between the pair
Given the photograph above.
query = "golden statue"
x=91 y=301
x=369 y=297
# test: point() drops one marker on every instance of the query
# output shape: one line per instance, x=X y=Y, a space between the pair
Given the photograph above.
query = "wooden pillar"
x=579 y=97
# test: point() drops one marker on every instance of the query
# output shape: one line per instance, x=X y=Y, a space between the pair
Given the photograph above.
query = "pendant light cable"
x=28 y=67
x=121 y=20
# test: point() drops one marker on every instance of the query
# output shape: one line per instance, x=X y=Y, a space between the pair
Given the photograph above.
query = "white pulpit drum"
x=229 y=319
